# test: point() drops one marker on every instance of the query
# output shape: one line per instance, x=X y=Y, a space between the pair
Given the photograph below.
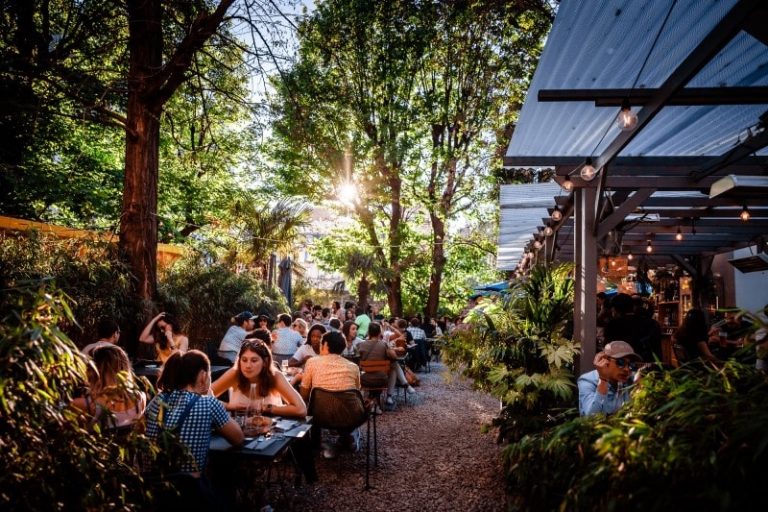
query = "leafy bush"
x=50 y=460
x=693 y=438
x=206 y=296
x=516 y=350
x=88 y=272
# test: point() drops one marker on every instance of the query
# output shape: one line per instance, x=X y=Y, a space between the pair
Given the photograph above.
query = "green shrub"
x=206 y=296
x=516 y=350
x=88 y=272
x=50 y=461
x=693 y=439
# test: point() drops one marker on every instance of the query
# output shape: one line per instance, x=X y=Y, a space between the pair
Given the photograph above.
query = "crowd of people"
x=275 y=364
x=629 y=339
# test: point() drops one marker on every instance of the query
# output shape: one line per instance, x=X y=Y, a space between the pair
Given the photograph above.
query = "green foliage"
x=516 y=349
x=50 y=460
x=690 y=439
x=205 y=296
x=89 y=272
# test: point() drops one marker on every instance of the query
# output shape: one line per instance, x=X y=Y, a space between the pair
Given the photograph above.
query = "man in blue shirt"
x=604 y=389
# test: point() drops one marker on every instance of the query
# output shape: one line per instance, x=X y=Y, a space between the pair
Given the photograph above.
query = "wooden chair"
x=376 y=367
x=343 y=410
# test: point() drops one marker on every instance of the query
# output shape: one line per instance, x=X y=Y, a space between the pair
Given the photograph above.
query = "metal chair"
x=344 y=410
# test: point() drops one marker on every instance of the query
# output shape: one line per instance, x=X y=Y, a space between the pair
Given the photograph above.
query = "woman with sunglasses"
x=604 y=389
x=274 y=392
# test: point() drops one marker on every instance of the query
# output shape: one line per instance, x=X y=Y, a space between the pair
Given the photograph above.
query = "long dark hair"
x=160 y=337
x=265 y=379
x=694 y=327
x=345 y=329
x=181 y=370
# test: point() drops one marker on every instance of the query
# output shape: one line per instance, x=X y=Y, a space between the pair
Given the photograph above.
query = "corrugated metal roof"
x=522 y=208
x=603 y=45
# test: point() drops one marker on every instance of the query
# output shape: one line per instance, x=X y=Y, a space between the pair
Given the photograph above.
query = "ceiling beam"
x=684 y=97
x=752 y=144
x=705 y=51
x=624 y=209
x=649 y=163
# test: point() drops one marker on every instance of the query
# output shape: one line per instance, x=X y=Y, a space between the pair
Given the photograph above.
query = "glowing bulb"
x=629 y=256
x=557 y=214
x=649 y=248
x=627 y=119
x=548 y=231
x=744 y=215
x=537 y=245
x=567 y=184
x=679 y=235
x=588 y=171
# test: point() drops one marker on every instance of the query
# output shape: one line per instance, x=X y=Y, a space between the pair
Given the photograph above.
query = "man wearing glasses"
x=605 y=389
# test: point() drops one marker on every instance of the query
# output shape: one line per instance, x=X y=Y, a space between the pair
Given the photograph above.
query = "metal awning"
x=695 y=74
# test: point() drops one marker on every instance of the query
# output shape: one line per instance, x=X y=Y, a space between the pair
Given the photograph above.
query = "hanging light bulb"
x=557 y=214
x=679 y=235
x=744 y=215
x=627 y=119
x=548 y=231
x=567 y=184
x=629 y=255
x=649 y=248
x=537 y=245
x=588 y=171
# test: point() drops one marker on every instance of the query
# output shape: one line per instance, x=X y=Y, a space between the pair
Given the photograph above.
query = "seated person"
x=243 y=325
x=603 y=389
x=111 y=398
x=349 y=329
x=376 y=349
x=165 y=333
x=285 y=339
x=333 y=372
x=185 y=406
x=108 y=333
x=692 y=336
x=310 y=348
x=254 y=374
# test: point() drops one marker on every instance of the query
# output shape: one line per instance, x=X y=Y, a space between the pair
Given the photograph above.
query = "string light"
x=537 y=245
x=629 y=255
x=548 y=231
x=557 y=214
x=679 y=235
x=649 y=247
x=588 y=171
x=744 y=215
x=567 y=184
x=627 y=119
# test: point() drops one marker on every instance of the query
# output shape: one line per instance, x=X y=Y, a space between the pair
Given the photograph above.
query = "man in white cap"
x=604 y=389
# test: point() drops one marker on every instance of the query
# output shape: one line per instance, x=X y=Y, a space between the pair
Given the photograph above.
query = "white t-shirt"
x=305 y=352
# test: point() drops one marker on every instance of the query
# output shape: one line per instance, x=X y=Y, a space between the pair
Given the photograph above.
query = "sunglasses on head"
x=622 y=362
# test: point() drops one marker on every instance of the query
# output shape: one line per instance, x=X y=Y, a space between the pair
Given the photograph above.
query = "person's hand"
x=159 y=316
x=601 y=363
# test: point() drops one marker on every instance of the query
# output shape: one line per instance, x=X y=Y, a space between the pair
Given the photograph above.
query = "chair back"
x=376 y=365
x=337 y=409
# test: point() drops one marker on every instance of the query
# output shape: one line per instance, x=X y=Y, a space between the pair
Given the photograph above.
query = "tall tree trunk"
x=363 y=291
x=394 y=290
x=438 y=265
x=138 y=224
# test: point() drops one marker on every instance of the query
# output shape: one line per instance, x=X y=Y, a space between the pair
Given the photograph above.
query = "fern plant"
x=516 y=349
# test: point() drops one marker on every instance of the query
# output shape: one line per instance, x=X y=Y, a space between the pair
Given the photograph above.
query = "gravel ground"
x=433 y=456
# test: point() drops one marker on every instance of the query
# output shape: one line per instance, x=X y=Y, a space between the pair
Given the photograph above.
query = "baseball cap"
x=245 y=315
x=616 y=349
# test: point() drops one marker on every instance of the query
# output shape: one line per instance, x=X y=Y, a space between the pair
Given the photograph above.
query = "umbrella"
x=285 y=279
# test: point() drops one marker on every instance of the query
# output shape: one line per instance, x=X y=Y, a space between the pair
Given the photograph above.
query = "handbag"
x=411 y=377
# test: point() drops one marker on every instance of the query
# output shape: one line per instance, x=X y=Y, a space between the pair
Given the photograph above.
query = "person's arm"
x=232 y=432
x=707 y=354
x=146 y=334
x=306 y=381
x=223 y=383
x=294 y=406
x=183 y=344
x=592 y=397
x=391 y=354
